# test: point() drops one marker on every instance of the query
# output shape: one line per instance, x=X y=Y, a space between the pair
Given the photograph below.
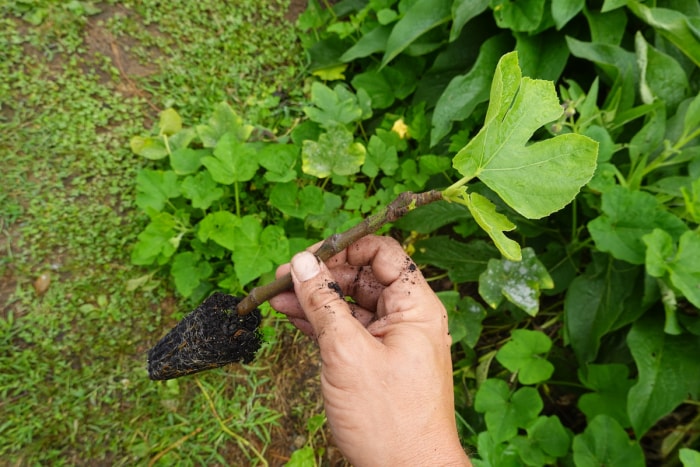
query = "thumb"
x=321 y=297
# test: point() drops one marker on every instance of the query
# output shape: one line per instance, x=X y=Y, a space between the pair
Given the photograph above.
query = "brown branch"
x=336 y=243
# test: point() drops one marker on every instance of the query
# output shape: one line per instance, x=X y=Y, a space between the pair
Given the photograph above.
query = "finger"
x=319 y=295
x=406 y=288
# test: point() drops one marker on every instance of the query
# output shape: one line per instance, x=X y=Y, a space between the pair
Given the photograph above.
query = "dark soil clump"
x=213 y=335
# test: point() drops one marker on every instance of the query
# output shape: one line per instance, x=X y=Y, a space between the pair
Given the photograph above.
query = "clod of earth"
x=213 y=335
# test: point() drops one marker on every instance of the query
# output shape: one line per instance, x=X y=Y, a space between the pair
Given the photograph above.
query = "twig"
x=336 y=243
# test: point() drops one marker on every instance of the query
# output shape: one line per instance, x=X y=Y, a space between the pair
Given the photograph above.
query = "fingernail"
x=305 y=266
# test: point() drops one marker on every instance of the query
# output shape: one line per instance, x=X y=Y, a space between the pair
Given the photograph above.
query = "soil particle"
x=334 y=286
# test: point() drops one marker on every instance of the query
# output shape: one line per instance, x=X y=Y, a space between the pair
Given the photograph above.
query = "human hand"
x=386 y=376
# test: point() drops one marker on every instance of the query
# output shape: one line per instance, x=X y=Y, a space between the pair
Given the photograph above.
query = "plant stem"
x=336 y=243
x=238 y=202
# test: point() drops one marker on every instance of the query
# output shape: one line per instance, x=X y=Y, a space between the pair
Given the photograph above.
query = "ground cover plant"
x=575 y=337
x=77 y=81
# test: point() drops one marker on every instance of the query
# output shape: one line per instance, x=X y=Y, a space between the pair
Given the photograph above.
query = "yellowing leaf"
x=331 y=73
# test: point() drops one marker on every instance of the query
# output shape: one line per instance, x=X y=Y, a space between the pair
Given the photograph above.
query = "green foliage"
x=594 y=300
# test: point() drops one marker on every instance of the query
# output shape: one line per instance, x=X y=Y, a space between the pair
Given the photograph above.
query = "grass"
x=77 y=81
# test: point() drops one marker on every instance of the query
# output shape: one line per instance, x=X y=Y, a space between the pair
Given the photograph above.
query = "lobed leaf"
x=155 y=187
x=222 y=121
x=522 y=355
x=188 y=272
x=334 y=153
x=201 y=190
x=535 y=179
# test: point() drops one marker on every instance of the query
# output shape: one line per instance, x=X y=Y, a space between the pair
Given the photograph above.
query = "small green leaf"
x=494 y=224
x=295 y=202
x=464 y=317
x=185 y=161
x=201 y=190
x=627 y=217
x=170 y=122
x=380 y=156
x=331 y=73
x=550 y=435
x=518 y=281
x=256 y=250
x=610 y=385
x=669 y=372
x=333 y=107
x=233 y=161
x=535 y=179
x=335 y=153
x=149 y=147
x=522 y=355
x=280 y=161
x=506 y=412
x=219 y=227
x=421 y=17
x=189 y=272
x=155 y=187
x=689 y=457
x=605 y=442
x=224 y=120
x=158 y=240
x=681 y=264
